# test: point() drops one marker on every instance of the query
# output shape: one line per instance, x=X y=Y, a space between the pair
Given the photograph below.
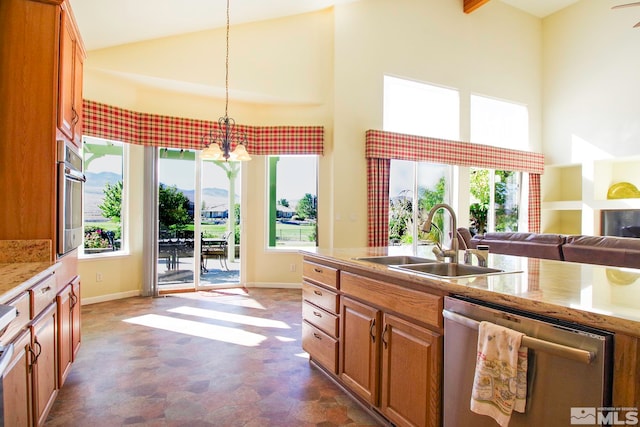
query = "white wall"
x=326 y=69
x=591 y=91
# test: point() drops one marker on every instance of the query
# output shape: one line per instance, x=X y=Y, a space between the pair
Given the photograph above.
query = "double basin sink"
x=429 y=267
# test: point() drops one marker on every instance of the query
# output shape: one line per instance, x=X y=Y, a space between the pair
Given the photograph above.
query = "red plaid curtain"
x=109 y=122
x=378 y=201
x=390 y=145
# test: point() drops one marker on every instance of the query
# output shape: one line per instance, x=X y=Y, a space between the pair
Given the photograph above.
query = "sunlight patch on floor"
x=230 y=317
x=238 y=300
x=199 y=329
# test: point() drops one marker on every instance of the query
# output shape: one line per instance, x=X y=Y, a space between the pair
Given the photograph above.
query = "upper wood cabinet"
x=31 y=72
x=70 y=78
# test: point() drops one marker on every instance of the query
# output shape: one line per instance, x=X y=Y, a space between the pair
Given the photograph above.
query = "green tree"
x=173 y=208
x=307 y=207
x=283 y=202
x=506 y=218
x=111 y=206
x=427 y=200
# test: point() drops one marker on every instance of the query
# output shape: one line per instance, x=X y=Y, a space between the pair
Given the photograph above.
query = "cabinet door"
x=78 y=66
x=16 y=384
x=411 y=359
x=359 y=337
x=65 y=319
x=75 y=318
x=65 y=76
x=43 y=331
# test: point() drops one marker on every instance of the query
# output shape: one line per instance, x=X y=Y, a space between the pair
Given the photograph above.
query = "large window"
x=495 y=203
x=293 y=201
x=104 y=193
x=415 y=187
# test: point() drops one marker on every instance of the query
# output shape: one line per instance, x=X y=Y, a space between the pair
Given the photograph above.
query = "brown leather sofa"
x=602 y=250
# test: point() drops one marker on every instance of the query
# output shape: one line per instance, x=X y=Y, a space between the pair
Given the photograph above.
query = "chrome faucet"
x=451 y=253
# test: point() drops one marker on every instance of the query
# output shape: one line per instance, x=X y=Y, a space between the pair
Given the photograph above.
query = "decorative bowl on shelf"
x=623 y=190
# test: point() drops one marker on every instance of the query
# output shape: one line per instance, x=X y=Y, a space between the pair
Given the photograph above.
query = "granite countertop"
x=17 y=277
x=599 y=296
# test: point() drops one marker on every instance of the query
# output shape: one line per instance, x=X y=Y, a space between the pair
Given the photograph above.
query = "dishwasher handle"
x=560 y=350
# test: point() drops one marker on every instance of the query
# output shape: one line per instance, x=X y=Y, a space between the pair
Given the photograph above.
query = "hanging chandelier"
x=219 y=142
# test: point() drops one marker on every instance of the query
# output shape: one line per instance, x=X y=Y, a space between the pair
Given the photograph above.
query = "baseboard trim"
x=110 y=297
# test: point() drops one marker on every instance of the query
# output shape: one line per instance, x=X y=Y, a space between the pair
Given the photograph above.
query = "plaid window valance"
x=109 y=122
x=391 y=145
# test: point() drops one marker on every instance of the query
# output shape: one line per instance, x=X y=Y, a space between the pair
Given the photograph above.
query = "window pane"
x=293 y=201
x=432 y=184
x=495 y=200
x=499 y=123
x=421 y=109
x=103 y=195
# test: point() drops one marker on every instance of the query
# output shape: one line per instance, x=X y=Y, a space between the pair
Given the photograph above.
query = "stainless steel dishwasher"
x=569 y=365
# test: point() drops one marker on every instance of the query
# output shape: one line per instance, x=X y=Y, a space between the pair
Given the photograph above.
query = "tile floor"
x=219 y=358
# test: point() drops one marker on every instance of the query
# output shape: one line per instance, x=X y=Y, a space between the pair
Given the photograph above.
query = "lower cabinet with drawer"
x=386 y=356
x=320 y=314
x=46 y=337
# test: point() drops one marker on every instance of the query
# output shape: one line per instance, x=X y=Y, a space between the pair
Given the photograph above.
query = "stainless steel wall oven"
x=70 y=183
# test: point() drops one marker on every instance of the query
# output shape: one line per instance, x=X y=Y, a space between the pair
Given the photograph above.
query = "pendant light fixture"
x=219 y=142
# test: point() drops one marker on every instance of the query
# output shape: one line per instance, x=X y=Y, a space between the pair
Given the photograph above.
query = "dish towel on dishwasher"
x=500 y=380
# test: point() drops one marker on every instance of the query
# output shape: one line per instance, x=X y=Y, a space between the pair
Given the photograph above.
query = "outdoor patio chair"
x=215 y=248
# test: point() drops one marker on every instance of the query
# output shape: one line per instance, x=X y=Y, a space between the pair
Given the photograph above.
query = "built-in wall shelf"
x=573 y=195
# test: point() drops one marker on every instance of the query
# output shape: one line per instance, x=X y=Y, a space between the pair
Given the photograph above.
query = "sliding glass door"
x=196 y=232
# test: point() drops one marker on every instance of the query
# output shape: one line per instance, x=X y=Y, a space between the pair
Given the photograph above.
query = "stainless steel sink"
x=396 y=260
x=448 y=270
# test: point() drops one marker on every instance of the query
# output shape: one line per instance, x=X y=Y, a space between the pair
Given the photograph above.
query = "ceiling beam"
x=471 y=5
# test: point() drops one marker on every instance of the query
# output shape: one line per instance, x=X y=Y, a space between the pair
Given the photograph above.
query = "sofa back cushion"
x=532 y=245
x=603 y=250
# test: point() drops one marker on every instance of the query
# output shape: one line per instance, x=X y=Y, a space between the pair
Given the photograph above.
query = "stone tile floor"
x=219 y=358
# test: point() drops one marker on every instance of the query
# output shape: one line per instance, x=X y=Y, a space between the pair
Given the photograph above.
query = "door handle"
x=373 y=324
x=384 y=332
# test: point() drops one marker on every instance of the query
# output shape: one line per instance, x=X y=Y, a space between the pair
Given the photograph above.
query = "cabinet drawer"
x=320 y=318
x=22 y=304
x=321 y=347
x=320 y=274
x=417 y=305
x=321 y=297
x=43 y=294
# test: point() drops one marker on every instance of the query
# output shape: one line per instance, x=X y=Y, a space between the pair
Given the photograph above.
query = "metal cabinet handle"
x=317 y=293
x=373 y=324
x=317 y=336
x=317 y=270
x=317 y=314
x=45 y=290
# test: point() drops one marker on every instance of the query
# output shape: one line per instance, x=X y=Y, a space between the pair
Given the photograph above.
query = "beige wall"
x=326 y=69
x=591 y=86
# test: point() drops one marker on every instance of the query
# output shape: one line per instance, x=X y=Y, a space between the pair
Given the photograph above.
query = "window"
x=103 y=196
x=495 y=200
x=415 y=187
x=496 y=195
x=293 y=201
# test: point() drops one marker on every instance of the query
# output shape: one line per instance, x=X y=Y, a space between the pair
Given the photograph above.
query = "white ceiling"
x=115 y=22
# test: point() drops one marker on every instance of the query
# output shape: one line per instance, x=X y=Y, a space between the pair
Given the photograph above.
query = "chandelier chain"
x=226 y=61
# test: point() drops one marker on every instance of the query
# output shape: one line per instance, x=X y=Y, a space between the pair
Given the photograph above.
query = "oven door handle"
x=5 y=358
x=560 y=350
x=74 y=174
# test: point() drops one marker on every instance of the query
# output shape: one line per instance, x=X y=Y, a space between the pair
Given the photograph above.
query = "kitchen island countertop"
x=599 y=296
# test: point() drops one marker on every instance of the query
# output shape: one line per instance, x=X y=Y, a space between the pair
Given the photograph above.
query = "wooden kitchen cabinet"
x=70 y=79
x=36 y=31
x=68 y=305
x=410 y=377
x=359 y=350
x=320 y=314
x=391 y=349
x=17 y=384
x=44 y=367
